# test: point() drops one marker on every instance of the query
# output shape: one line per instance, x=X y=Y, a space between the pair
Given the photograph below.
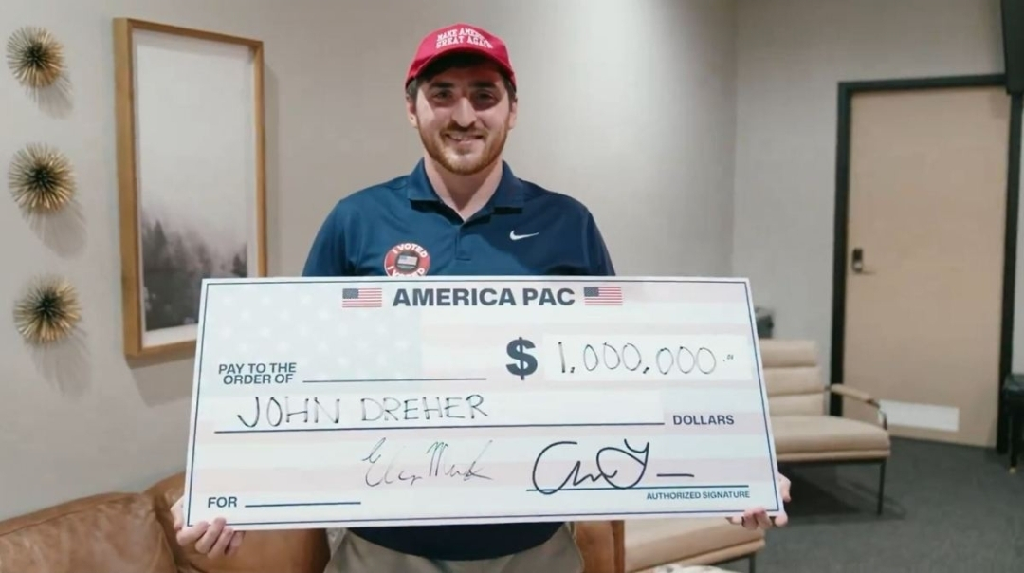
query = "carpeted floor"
x=947 y=509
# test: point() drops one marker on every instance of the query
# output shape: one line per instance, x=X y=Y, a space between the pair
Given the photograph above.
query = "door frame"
x=846 y=91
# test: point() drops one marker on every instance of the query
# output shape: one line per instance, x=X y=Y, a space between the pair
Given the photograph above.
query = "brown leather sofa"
x=132 y=532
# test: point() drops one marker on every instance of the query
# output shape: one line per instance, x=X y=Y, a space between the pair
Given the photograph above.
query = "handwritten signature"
x=437 y=464
x=574 y=477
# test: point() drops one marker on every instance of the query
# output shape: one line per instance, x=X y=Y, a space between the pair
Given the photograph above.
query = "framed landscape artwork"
x=190 y=134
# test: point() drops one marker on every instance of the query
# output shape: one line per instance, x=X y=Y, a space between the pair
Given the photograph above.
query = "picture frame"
x=191 y=159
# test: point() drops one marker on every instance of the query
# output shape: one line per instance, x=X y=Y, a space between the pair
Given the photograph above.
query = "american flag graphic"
x=602 y=296
x=364 y=297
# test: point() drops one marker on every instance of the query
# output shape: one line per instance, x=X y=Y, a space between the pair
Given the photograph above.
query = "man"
x=461 y=211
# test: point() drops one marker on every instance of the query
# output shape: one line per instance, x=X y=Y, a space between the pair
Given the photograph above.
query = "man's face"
x=463 y=116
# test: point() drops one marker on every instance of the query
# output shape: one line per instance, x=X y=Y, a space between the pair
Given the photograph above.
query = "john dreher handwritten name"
x=278 y=412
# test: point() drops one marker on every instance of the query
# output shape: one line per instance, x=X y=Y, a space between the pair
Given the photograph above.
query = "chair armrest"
x=861 y=396
x=602 y=545
x=848 y=392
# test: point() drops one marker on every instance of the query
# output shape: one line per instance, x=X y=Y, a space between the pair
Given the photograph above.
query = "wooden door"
x=927 y=210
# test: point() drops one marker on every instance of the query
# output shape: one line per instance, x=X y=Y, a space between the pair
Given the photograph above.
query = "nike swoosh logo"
x=512 y=235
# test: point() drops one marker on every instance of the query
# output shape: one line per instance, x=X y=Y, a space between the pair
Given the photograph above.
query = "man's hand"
x=213 y=540
x=758 y=517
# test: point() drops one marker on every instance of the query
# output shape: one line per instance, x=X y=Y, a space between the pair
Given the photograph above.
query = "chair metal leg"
x=881 y=487
x=1015 y=438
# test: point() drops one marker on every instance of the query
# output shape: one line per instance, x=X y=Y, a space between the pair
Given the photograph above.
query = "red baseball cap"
x=460 y=38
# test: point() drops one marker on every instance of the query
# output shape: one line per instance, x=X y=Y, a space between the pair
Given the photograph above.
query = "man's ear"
x=410 y=111
x=513 y=113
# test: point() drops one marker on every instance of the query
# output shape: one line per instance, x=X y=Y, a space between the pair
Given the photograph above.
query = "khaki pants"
x=356 y=555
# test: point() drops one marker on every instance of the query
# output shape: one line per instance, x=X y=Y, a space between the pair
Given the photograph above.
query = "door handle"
x=857 y=262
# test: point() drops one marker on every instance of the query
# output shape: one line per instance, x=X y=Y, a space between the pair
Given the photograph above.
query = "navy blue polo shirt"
x=402 y=228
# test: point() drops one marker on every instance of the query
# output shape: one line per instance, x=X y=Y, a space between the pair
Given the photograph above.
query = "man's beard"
x=462 y=164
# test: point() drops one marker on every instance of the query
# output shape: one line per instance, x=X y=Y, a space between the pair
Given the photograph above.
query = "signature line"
x=465 y=427
x=355 y=380
x=309 y=504
x=652 y=487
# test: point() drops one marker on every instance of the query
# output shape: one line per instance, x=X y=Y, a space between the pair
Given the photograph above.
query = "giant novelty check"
x=357 y=402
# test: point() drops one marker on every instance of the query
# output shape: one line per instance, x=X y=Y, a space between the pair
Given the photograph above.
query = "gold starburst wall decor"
x=41 y=179
x=48 y=312
x=35 y=57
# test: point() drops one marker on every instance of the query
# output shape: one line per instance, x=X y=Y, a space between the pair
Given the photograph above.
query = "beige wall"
x=627 y=105
x=791 y=56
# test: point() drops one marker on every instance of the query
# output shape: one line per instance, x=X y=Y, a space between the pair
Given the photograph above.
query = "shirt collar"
x=509 y=193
